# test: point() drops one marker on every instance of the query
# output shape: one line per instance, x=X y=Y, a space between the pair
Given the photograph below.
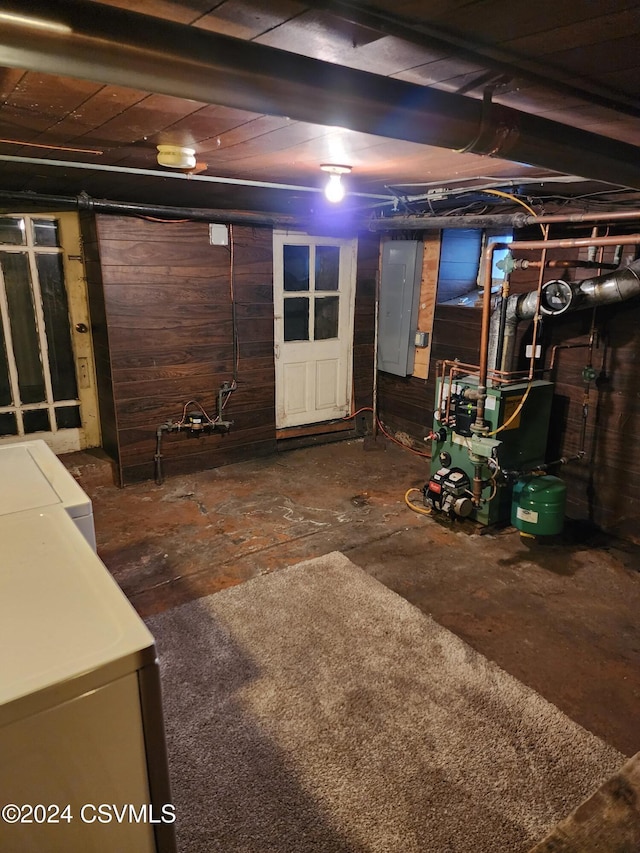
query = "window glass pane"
x=56 y=321
x=36 y=421
x=12 y=231
x=296 y=267
x=68 y=417
x=26 y=346
x=45 y=232
x=8 y=425
x=327 y=267
x=296 y=319
x=326 y=317
x=5 y=386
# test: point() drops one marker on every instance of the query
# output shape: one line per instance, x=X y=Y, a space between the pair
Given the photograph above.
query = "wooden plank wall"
x=603 y=488
x=406 y=403
x=364 y=324
x=169 y=317
x=163 y=328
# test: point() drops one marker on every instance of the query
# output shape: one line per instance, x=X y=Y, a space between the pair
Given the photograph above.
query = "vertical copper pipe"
x=487 y=256
x=536 y=318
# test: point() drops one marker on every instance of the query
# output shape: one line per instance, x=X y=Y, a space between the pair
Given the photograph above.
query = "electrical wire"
x=182 y=421
x=234 y=312
x=212 y=421
x=517 y=200
x=421 y=510
x=384 y=432
x=514 y=415
x=158 y=219
x=494 y=487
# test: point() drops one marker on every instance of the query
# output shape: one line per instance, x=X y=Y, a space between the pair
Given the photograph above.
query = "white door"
x=47 y=378
x=314 y=297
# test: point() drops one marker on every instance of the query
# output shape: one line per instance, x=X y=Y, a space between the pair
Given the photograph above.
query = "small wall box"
x=218 y=234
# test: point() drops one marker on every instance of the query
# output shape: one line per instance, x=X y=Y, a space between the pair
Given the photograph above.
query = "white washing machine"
x=32 y=476
x=81 y=723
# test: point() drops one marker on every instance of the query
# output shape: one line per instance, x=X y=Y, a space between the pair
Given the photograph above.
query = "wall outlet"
x=421 y=339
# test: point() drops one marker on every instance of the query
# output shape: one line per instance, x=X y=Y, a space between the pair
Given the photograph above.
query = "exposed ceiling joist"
x=502 y=61
x=111 y=45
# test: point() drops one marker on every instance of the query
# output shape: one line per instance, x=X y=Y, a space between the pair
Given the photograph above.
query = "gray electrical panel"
x=401 y=273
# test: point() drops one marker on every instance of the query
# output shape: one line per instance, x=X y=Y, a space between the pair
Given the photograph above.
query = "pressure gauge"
x=445 y=458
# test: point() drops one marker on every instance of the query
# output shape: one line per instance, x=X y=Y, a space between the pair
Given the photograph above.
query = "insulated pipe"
x=110 y=45
x=422 y=222
x=624 y=288
x=125 y=208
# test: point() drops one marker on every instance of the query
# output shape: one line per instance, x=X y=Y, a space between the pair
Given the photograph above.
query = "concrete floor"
x=562 y=617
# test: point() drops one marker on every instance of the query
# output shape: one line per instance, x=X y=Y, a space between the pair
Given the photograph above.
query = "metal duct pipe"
x=125 y=208
x=487 y=264
x=110 y=45
x=605 y=289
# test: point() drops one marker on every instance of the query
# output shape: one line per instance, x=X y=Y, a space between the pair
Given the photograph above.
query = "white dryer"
x=32 y=477
x=81 y=724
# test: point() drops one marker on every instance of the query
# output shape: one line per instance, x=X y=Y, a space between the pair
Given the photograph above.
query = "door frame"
x=348 y=245
x=75 y=281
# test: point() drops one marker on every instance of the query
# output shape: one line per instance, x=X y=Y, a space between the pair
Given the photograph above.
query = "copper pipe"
x=487 y=257
x=536 y=318
x=571 y=242
x=585 y=217
x=554 y=350
x=585 y=264
x=477 y=484
x=527 y=264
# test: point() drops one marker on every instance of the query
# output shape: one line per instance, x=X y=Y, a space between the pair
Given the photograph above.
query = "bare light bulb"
x=334 y=190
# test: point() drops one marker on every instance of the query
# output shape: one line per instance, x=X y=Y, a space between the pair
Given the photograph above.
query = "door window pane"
x=326 y=317
x=45 y=232
x=56 y=319
x=36 y=421
x=5 y=385
x=68 y=417
x=296 y=267
x=327 y=267
x=296 y=319
x=12 y=231
x=8 y=424
x=26 y=346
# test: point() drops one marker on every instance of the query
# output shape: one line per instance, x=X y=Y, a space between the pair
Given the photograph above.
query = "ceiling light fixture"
x=334 y=190
x=176 y=157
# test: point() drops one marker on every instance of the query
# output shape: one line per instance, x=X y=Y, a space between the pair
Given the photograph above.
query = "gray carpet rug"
x=315 y=710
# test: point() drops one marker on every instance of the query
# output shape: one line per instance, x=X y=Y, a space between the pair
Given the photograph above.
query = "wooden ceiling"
x=571 y=63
